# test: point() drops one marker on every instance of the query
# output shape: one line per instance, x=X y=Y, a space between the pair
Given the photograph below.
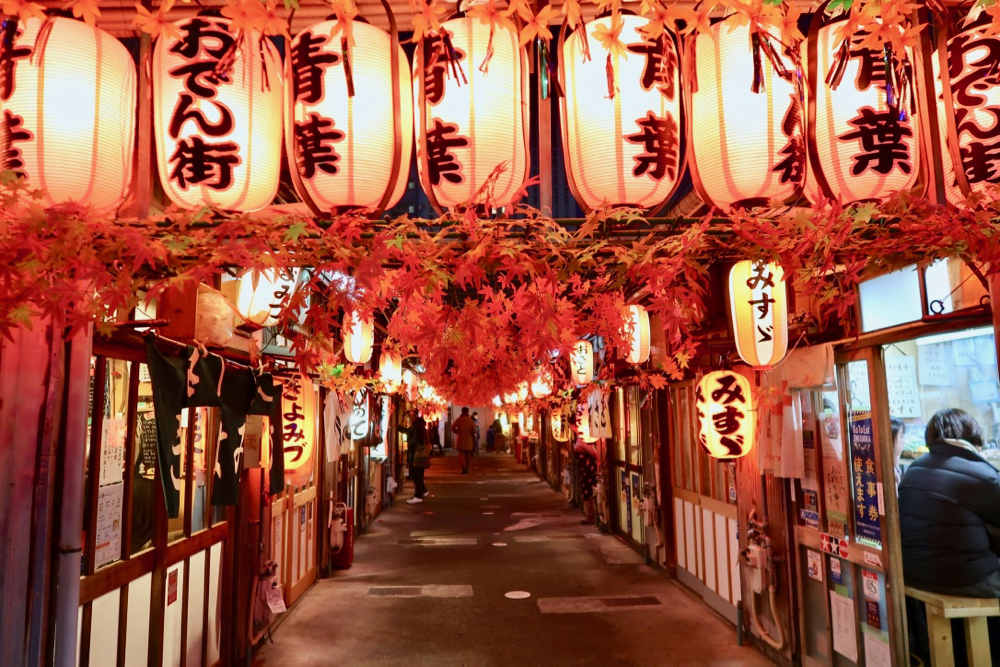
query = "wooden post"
x=544 y=133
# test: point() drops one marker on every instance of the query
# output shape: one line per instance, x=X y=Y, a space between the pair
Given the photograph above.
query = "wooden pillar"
x=544 y=133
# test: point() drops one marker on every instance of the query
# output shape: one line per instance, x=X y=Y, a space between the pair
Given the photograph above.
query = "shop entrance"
x=626 y=468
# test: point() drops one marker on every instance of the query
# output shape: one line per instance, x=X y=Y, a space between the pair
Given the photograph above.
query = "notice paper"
x=108 y=542
x=877 y=652
x=275 y=600
x=845 y=623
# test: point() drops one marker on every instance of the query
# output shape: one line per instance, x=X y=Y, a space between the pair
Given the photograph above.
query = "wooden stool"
x=941 y=609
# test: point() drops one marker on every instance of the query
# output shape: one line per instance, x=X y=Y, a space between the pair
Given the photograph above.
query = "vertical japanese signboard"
x=865 y=487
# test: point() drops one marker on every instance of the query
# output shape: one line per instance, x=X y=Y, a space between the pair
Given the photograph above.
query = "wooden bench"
x=941 y=609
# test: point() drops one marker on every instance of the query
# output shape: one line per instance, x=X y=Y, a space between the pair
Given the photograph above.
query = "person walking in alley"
x=499 y=441
x=475 y=434
x=465 y=429
x=435 y=433
x=418 y=450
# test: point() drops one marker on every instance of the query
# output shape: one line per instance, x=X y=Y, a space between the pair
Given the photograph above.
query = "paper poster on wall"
x=934 y=365
x=984 y=391
x=815 y=563
x=845 y=623
x=112 y=451
x=857 y=373
x=877 y=652
x=986 y=350
x=964 y=352
x=108 y=534
x=864 y=480
x=901 y=383
x=253 y=436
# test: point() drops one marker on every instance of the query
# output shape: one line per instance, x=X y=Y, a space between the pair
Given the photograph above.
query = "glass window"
x=951 y=285
x=144 y=463
x=891 y=299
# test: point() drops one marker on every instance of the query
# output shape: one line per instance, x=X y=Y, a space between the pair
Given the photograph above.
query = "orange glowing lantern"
x=621 y=147
x=68 y=102
x=747 y=148
x=638 y=351
x=522 y=391
x=350 y=131
x=541 y=386
x=581 y=362
x=559 y=423
x=758 y=306
x=863 y=143
x=390 y=366
x=359 y=420
x=471 y=114
x=359 y=336
x=583 y=425
x=298 y=428
x=724 y=401
x=217 y=116
x=260 y=305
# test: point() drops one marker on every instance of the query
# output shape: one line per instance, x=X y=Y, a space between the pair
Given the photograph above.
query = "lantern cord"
x=609 y=69
x=836 y=73
x=41 y=39
x=348 y=70
x=485 y=65
x=758 y=69
x=586 y=42
x=452 y=56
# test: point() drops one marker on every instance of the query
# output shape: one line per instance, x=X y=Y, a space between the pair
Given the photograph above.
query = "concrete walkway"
x=435 y=584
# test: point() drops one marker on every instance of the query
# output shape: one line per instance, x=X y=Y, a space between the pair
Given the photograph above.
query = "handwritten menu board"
x=934 y=365
x=901 y=378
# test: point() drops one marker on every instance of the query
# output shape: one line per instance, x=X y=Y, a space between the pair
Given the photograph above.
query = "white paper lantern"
x=581 y=362
x=724 y=403
x=261 y=305
x=758 y=306
x=218 y=128
x=342 y=146
x=68 y=103
x=390 y=366
x=541 y=386
x=638 y=350
x=469 y=122
x=359 y=337
x=860 y=147
x=623 y=149
x=747 y=148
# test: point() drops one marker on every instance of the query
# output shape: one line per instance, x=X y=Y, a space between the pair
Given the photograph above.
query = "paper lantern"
x=559 y=423
x=583 y=426
x=261 y=305
x=298 y=428
x=724 y=402
x=497 y=402
x=541 y=386
x=638 y=351
x=522 y=391
x=390 y=366
x=358 y=422
x=68 y=103
x=469 y=121
x=968 y=99
x=758 y=306
x=747 y=148
x=217 y=116
x=861 y=148
x=359 y=336
x=581 y=362
x=625 y=148
x=349 y=151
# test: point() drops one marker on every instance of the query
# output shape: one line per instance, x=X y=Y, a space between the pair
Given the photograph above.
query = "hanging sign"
x=864 y=479
x=724 y=402
x=298 y=407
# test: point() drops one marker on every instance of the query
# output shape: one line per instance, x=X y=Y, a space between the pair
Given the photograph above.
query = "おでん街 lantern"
x=638 y=339
x=471 y=117
x=217 y=115
x=581 y=362
x=747 y=148
x=260 y=304
x=968 y=102
x=349 y=134
x=758 y=306
x=359 y=336
x=621 y=147
x=863 y=139
x=68 y=102
x=724 y=403
x=298 y=408
x=390 y=366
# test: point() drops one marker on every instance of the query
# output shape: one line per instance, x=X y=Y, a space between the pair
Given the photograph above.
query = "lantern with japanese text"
x=349 y=134
x=863 y=138
x=359 y=336
x=559 y=423
x=638 y=339
x=968 y=103
x=581 y=362
x=359 y=420
x=584 y=428
x=622 y=141
x=260 y=304
x=298 y=428
x=747 y=146
x=471 y=95
x=724 y=403
x=390 y=366
x=217 y=115
x=68 y=101
x=541 y=386
x=758 y=306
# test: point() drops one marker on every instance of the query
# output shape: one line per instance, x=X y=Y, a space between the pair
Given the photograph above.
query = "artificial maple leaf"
x=246 y=15
x=538 y=26
x=699 y=22
x=346 y=12
x=489 y=14
x=273 y=23
x=23 y=10
x=574 y=15
x=156 y=24
x=610 y=36
x=426 y=18
x=789 y=25
x=86 y=10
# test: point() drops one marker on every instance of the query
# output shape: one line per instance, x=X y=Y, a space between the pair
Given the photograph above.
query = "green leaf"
x=295 y=231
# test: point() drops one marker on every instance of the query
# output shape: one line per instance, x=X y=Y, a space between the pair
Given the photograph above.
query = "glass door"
x=626 y=466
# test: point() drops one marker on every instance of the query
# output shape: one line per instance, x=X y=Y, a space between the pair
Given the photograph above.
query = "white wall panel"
x=137 y=632
x=196 y=609
x=214 y=608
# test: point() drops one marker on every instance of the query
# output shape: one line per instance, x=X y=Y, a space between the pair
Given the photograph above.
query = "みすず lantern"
x=298 y=408
x=747 y=148
x=638 y=351
x=260 y=305
x=68 y=103
x=390 y=365
x=758 y=306
x=581 y=362
x=217 y=115
x=861 y=146
x=471 y=119
x=348 y=147
x=621 y=148
x=724 y=403
x=359 y=336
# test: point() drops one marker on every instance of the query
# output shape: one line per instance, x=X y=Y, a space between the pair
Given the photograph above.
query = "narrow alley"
x=496 y=569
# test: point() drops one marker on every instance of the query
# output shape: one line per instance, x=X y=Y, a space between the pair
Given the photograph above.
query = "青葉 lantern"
x=747 y=148
x=758 y=307
x=359 y=336
x=298 y=428
x=471 y=117
x=260 y=305
x=581 y=362
x=390 y=366
x=349 y=135
x=622 y=140
x=724 y=402
x=217 y=115
x=863 y=139
x=68 y=102
x=638 y=339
